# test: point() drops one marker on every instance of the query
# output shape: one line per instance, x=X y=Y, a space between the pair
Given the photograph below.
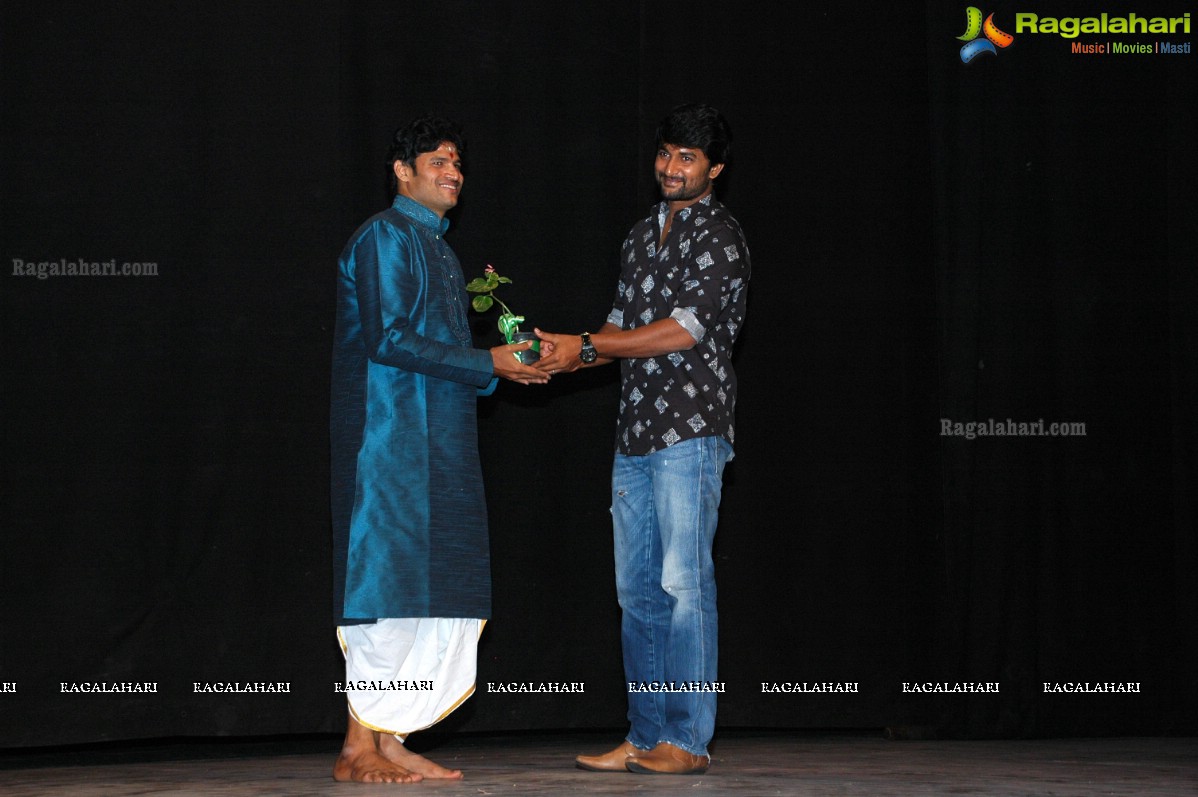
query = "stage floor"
x=744 y=764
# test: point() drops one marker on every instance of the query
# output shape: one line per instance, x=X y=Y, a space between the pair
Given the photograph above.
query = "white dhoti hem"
x=406 y=674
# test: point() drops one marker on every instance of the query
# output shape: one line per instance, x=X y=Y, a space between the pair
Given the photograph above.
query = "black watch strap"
x=587 y=354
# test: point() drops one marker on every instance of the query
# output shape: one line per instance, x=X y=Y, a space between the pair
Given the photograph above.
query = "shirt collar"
x=420 y=214
x=705 y=203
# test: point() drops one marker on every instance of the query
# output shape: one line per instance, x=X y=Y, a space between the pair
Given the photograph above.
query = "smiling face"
x=684 y=174
x=434 y=179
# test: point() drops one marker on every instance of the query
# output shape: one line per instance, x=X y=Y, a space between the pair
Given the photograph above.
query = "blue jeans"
x=665 y=507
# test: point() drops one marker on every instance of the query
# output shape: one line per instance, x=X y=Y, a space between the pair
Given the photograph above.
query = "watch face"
x=588 y=353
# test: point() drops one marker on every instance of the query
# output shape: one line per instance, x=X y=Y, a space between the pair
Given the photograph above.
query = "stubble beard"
x=684 y=192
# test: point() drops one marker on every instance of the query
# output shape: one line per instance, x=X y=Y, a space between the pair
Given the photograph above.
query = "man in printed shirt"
x=679 y=306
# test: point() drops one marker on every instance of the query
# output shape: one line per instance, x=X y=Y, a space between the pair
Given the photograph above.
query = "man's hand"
x=559 y=353
x=503 y=360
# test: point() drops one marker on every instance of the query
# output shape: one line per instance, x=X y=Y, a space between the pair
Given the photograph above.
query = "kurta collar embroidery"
x=420 y=214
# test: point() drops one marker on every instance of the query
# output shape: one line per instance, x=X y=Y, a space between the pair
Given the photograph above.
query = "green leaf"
x=477 y=285
x=482 y=303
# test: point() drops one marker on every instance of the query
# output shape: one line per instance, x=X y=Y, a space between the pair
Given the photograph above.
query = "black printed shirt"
x=698 y=278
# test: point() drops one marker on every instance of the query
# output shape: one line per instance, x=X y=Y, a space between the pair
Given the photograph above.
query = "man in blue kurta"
x=411 y=567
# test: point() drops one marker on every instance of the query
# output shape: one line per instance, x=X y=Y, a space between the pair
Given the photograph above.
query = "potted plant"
x=509 y=322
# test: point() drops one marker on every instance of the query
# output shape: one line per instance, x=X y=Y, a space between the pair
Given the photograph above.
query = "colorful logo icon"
x=973 y=28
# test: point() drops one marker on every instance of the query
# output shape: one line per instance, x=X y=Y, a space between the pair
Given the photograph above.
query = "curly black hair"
x=700 y=127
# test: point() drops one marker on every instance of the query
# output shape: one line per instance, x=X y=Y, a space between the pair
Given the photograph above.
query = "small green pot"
x=528 y=356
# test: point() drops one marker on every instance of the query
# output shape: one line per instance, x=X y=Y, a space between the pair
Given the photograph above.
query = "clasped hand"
x=506 y=365
x=559 y=353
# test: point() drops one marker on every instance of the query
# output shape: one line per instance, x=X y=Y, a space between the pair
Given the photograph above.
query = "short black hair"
x=700 y=127
x=422 y=134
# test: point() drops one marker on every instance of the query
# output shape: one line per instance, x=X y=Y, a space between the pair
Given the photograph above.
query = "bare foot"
x=362 y=761
x=370 y=766
x=394 y=751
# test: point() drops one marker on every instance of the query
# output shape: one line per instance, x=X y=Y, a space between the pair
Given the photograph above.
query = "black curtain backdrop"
x=1009 y=239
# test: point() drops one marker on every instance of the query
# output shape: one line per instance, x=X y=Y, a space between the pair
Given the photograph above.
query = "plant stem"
x=506 y=309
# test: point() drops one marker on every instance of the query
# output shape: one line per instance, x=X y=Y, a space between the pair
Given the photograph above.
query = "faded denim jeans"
x=665 y=507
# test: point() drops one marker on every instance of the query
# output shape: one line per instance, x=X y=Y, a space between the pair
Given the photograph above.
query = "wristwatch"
x=588 y=353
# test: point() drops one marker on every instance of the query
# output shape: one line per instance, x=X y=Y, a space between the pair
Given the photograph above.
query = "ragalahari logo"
x=973 y=28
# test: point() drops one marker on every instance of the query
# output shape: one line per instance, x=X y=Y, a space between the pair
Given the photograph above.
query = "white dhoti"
x=406 y=674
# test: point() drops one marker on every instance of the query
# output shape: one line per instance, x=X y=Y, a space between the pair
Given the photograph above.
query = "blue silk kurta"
x=409 y=514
